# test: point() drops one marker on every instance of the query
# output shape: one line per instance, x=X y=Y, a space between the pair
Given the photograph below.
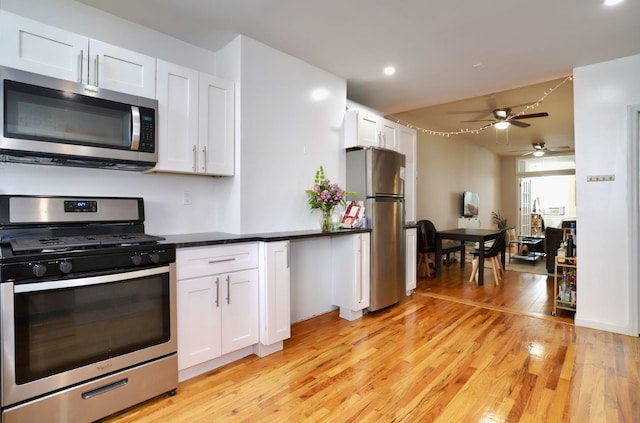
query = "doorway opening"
x=547 y=193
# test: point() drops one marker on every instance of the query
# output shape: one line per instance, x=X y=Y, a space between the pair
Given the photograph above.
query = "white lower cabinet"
x=411 y=249
x=274 y=296
x=217 y=301
x=351 y=273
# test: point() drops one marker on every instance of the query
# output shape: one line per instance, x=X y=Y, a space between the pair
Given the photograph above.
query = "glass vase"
x=325 y=222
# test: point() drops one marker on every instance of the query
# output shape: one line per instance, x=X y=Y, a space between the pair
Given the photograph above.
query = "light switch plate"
x=186 y=198
x=601 y=178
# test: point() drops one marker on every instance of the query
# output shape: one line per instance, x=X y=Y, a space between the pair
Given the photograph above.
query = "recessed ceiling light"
x=612 y=2
x=389 y=70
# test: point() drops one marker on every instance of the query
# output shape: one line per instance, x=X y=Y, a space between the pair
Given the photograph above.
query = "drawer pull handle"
x=222 y=260
x=104 y=389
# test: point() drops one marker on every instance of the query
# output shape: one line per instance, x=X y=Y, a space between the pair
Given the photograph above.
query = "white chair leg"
x=420 y=263
x=433 y=260
x=474 y=270
x=496 y=269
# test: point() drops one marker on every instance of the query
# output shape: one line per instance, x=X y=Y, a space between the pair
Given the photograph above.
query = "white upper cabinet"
x=363 y=129
x=177 y=91
x=407 y=145
x=216 y=126
x=119 y=69
x=35 y=47
x=389 y=135
x=43 y=49
x=196 y=122
x=367 y=133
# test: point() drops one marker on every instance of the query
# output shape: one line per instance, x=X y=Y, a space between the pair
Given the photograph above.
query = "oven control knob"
x=65 y=266
x=154 y=257
x=39 y=269
x=136 y=259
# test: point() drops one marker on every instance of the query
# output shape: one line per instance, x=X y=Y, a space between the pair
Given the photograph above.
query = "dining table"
x=466 y=235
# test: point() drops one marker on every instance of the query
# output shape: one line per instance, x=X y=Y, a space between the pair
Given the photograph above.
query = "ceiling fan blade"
x=518 y=123
x=562 y=147
x=532 y=115
x=527 y=153
x=477 y=120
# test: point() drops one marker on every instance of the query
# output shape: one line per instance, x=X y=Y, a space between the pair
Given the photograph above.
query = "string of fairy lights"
x=462 y=131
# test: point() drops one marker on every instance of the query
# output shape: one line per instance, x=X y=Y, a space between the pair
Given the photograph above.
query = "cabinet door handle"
x=360 y=271
x=288 y=253
x=204 y=158
x=195 y=158
x=221 y=260
x=97 y=66
x=81 y=64
x=218 y=291
x=228 y=289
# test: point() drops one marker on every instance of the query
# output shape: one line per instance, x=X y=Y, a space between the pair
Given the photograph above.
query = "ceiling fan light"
x=502 y=124
x=538 y=153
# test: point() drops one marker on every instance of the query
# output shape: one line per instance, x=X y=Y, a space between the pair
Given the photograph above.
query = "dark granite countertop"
x=217 y=238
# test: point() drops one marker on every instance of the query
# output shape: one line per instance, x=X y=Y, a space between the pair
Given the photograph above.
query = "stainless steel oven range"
x=87 y=308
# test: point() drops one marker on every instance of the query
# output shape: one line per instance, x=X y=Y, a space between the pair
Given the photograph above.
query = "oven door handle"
x=92 y=280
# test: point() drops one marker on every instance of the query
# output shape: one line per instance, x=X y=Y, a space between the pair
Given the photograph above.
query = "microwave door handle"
x=135 y=128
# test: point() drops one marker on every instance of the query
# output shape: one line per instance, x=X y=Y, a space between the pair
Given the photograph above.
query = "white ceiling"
x=443 y=51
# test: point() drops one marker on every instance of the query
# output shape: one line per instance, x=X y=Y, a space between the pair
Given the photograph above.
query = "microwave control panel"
x=147 y=130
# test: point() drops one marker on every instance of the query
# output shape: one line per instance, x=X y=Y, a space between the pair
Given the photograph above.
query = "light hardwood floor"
x=450 y=353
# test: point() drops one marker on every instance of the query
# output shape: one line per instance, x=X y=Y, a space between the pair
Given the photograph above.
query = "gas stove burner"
x=50 y=241
x=22 y=245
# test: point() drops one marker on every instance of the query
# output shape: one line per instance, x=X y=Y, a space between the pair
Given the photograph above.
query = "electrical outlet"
x=186 y=198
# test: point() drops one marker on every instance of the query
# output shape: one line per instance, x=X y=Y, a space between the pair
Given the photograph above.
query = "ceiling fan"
x=503 y=118
x=539 y=149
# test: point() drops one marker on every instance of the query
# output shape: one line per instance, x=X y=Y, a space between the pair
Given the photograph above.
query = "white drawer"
x=202 y=261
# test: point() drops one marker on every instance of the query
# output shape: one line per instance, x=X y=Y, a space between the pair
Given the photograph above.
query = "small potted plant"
x=499 y=220
x=501 y=223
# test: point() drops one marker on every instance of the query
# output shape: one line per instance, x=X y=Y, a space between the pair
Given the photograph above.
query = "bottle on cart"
x=572 y=231
x=563 y=287
x=570 y=246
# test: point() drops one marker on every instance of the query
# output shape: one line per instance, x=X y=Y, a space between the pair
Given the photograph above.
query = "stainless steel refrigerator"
x=377 y=177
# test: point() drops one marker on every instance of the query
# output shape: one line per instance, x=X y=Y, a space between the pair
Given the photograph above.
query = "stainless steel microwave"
x=52 y=121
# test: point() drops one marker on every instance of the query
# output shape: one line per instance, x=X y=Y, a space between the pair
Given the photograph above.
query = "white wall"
x=284 y=137
x=602 y=93
x=162 y=194
x=448 y=166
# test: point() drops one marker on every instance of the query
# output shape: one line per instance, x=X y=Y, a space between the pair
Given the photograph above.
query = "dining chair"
x=494 y=254
x=427 y=246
